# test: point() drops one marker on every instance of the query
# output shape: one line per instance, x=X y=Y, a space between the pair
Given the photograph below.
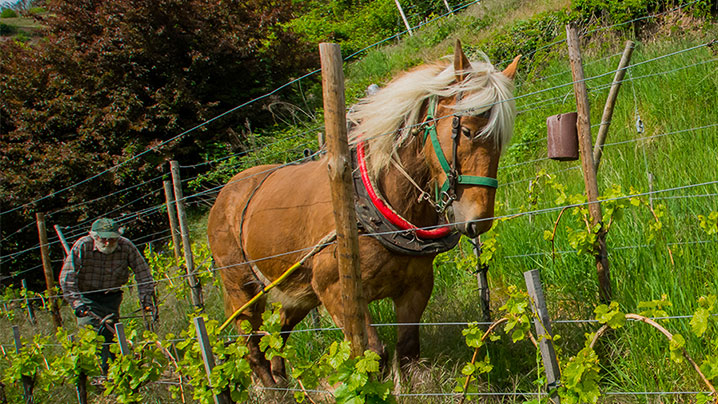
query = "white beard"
x=109 y=249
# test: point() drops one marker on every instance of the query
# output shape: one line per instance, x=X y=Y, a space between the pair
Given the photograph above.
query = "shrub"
x=8 y=13
x=36 y=10
x=7 y=30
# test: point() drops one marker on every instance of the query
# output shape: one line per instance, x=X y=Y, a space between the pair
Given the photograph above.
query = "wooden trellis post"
x=28 y=305
x=583 y=124
x=610 y=103
x=47 y=267
x=172 y=215
x=194 y=284
x=340 y=171
x=27 y=384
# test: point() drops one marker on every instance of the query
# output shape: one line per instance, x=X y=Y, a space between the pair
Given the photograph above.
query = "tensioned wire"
x=545 y=90
x=196 y=127
x=265 y=96
x=161 y=206
x=534 y=212
x=514 y=98
x=635 y=140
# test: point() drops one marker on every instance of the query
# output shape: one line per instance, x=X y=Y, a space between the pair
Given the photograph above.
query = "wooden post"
x=583 y=125
x=47 y=267
x=172 y=214
x=542 y=324
x=208 y=357
x=122 y=339
x=483 y=283
x=61 y=236
x=403 y=17
x=81 y=388
x=610 y=103
x=339 y=166
x=26 y=380
x=186 y=242
x=30 y=312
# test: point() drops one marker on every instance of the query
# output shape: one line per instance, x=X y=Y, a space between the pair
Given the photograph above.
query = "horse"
x=266 y=217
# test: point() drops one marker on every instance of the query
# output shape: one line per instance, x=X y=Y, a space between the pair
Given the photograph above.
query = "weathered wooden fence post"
x=208 y=357
x=194 y=284
x=542 y=324
x=28 y=304
x=61 y=236
x=339 y=165
x=403 y=17
x=610 y=103
x=47 y=267
x=583 y=125
x=122 y=339
x=172 y=215
x=27 y=384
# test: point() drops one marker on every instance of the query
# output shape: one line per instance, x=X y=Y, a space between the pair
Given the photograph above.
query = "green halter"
x=447 y=194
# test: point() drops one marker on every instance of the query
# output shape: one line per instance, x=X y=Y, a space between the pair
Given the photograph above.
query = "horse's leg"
x=290 y=318
x=326 y=285
x=409 y=307
x=240 y=285
x=239 y=289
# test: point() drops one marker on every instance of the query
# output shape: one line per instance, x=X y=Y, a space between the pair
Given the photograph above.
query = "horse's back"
x=267 y=211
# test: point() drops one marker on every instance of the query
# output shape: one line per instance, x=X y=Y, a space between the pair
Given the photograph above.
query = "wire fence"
x=76 y=230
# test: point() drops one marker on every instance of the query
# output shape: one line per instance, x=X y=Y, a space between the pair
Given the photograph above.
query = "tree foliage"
x=114 y=78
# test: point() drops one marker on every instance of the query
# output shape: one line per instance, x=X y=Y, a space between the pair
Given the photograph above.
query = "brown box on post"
x=562 y=142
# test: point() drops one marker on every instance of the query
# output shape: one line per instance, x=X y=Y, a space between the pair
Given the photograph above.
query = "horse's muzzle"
x=474 y=229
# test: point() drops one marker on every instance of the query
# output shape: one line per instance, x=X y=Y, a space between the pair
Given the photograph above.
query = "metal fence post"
x=542 y=324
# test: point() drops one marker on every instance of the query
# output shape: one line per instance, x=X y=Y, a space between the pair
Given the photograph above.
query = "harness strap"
x=430 y=132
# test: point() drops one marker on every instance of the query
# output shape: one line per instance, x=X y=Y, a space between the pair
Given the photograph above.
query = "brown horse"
x=437 y=129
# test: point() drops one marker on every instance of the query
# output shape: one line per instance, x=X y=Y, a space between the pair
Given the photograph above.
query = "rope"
x=320 y=246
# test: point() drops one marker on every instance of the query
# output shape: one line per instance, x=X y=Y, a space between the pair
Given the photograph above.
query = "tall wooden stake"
x=27 y=383
x=403 y=17
x=30 y=311
x=542 y=324
x=186 y=242
x=47 y=267
x=583 y=125
x=65 y=246
x=610 y=103
x=172 y=215
x=339 y=166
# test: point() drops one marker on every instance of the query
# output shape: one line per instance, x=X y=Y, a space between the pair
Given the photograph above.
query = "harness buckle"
x=445 y=200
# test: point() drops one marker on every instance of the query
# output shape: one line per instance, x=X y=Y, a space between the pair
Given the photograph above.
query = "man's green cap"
x=106 y=228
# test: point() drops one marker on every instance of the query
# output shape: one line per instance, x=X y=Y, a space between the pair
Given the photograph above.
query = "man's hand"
x=82 y=310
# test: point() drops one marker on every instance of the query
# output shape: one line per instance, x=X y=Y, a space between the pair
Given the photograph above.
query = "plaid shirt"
x=86 y=269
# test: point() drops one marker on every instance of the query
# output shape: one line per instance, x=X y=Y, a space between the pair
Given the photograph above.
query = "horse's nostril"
x=472 y=230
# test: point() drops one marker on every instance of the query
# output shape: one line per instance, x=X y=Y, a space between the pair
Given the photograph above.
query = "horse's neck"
x=401 y=194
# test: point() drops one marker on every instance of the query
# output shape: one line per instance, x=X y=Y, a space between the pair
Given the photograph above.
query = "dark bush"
x=6 y=30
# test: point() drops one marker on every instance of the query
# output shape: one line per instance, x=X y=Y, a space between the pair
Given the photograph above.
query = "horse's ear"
x=510 y=71
x=461 y=62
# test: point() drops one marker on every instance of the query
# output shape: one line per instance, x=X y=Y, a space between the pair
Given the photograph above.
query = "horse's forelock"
x=384 y=120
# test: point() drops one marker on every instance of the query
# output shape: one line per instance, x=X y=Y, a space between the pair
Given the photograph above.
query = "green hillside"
x=658 y=178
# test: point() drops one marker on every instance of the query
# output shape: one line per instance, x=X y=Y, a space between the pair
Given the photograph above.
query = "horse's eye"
x=466 y=132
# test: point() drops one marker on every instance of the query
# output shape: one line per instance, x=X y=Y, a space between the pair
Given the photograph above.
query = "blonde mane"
x=385 y=119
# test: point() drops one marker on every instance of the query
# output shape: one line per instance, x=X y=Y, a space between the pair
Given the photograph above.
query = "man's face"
x=105 y=245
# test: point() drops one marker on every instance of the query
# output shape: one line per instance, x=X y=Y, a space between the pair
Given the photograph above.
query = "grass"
x=672 y=94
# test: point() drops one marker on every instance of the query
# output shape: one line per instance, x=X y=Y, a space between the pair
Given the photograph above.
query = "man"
x=94 y=273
